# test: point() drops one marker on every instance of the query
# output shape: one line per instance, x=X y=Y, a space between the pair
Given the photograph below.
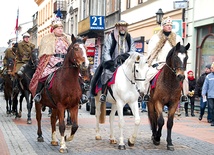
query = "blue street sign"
x=97 y=23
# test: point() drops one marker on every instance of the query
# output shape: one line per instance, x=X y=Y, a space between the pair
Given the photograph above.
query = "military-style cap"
x=121 y=23
x=26 y=35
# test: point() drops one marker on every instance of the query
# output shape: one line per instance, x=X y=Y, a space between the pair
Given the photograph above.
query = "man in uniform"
x=24 y=50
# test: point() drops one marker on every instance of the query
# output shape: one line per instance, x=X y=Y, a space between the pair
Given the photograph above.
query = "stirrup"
x=184 y=98
x=146 y=98
x=103 y=98
x=84 y=99
x=37 y=97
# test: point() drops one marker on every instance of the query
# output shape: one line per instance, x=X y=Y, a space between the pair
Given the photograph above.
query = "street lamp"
x=159 y=16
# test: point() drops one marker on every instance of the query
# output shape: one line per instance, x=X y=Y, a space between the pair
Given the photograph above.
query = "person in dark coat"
x=198 y=89
x=191 y=96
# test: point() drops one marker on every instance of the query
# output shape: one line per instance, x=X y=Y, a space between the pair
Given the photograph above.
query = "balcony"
x=60 y=4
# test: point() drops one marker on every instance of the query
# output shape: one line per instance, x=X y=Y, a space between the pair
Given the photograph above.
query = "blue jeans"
x=143 y=105
x=202 y=108
x=211 y=104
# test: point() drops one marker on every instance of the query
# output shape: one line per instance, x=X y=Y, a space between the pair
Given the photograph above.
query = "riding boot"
x=103 y=95
x=38 y=96
x=192 y=110
x=186 y=109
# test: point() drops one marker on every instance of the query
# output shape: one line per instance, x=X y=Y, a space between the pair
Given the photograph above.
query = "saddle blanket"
x=154 y=80
x=99 y=85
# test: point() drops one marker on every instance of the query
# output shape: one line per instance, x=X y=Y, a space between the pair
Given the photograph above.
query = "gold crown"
x=56 y=22
x=121 y=23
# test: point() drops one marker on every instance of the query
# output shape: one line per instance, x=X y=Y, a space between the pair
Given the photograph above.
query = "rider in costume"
x=52 y=51
x=118 y=42
x=159 y=46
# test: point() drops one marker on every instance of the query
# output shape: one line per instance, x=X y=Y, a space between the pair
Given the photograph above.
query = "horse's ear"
x=73 y=39
x=84 y=39
x=187 y=46
x=178 y=46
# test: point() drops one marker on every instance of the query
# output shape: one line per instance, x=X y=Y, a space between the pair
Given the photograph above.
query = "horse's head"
x=10 y=64
x=177 y=60
x=79 y=52
x=34 y=61
x=136 y=62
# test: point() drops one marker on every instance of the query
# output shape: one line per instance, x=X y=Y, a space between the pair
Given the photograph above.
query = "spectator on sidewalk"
x=143 y=105
x=208 y=92
x=191 y=96
x=198 y=90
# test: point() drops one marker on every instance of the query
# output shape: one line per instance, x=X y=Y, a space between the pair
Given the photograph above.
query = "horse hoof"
x=61 y=150
x=170 y=147
x=29 y=122
x=113 y=141
x=70 y=138
x=54 y=143
x=121 y=147
x=156 y=142
x=40 y=139
x=130 y=144
x=20 y=114
x=98 y=138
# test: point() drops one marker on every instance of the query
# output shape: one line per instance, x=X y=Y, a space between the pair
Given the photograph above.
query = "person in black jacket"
x=191 y=96
x=198 y=90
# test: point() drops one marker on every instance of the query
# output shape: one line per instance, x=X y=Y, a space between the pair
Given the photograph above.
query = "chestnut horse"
x=65 y=93
x=167 y=92
x=126 y=89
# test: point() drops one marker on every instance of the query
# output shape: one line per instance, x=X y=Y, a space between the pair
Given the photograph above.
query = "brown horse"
x=167 y=92
x=8 y=78
x=65 y=93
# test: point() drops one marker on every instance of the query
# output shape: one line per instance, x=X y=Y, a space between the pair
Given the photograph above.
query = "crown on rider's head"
x=166 y=21
x=56 y=22
x=121 y=23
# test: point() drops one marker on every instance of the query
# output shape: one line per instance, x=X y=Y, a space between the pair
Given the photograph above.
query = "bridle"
x=135 y=78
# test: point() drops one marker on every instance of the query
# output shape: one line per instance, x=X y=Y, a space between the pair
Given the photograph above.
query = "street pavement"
x=190 y=136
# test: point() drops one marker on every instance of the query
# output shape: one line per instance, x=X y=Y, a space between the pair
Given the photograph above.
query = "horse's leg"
x=69 y=123
x=97 y=115
x=135 y=112
x=73 y=115
x=20 y=105
x=38 y=118
x=111 y=121
x=54 y=140
x=160 y=122
x=61 y=115
x=121 y=125
x=152 y=118
x=171 y=113
x=29 y=106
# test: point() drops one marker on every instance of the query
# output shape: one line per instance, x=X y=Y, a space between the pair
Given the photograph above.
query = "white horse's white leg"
x=121 y=125
x=54 y=140
x=135 y=111
x=111 y=121
x=62 y=145
x=97 y=115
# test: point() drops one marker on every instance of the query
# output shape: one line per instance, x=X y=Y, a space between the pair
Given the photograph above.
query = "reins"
x=135 y=79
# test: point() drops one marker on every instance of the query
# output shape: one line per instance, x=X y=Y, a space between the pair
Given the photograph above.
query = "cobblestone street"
x=190 y=136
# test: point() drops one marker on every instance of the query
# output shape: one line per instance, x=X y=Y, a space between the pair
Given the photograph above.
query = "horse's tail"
x=95 y=78
x=103 y=113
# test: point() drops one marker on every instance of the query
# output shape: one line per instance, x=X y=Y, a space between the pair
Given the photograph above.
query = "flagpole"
x=17 y=25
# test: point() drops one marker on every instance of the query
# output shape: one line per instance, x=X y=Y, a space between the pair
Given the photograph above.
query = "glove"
x=108 y=64
x=121 y=58
x=155 y=65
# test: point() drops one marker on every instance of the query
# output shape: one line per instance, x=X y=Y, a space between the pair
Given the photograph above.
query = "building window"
x=128 y=4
